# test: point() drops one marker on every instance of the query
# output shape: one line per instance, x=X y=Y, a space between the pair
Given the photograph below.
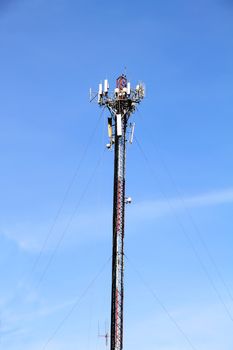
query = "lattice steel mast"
x=121 y=104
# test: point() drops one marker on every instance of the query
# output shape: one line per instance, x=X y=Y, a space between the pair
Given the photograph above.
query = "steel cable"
x=193 y=223
x=164 y=308
x=64 y=232
x=197 y=230
x=186 y=235
x=75 y=305
x=67 y=191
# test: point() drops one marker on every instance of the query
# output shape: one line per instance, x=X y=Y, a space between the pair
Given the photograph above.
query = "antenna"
x=132 y=125
x=121 y=104
x=105 y=335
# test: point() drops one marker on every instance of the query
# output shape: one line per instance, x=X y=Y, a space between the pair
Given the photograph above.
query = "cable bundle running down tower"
x=121 y=104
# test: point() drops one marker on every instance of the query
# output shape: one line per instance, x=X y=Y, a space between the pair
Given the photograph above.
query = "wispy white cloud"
x=205 y=325
x=95 y=224
x=157 y=208
x=42 y=311
x=5 y=331
x=210 y=198
x=17 y=321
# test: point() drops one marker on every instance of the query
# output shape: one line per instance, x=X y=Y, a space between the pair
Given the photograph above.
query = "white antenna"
x=119 y=125
x=106 y=335
x=128 y=88
x=132 y=133
x=106 y=86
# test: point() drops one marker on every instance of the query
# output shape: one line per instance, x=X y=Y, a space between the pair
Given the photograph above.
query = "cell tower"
x=121 y=104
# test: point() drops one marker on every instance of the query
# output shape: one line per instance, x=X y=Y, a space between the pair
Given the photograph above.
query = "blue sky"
x=52 y=52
